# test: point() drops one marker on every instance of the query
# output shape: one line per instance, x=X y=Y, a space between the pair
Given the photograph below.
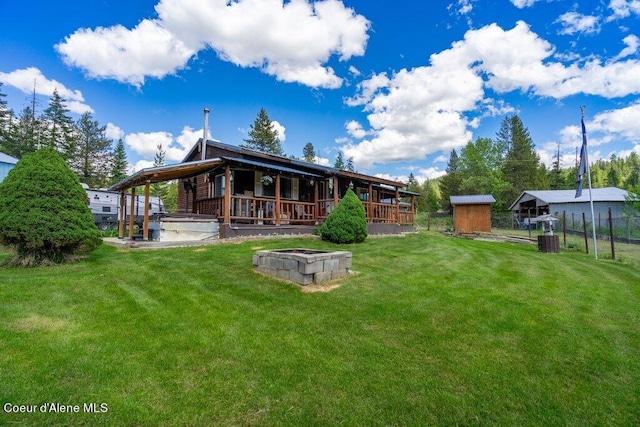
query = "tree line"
x=507 y=165
x=83 y=143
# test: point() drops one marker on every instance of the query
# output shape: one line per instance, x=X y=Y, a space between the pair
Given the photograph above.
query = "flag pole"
x=593 y=218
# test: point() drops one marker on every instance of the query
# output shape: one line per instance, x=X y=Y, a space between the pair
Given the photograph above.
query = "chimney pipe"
x=204 y=134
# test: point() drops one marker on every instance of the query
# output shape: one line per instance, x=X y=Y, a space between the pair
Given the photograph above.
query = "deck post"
x=227 y=194
x=316 y=195
x=397 y=206
x=145 y=223
x=336 y=199
x=132 y=211
x=122 y=214
x=370 y=200
x=277 y=202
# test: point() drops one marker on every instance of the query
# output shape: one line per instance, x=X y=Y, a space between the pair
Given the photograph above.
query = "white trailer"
x=105 y=206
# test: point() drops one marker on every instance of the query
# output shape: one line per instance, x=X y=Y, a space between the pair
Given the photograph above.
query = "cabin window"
x=106 y=209
x=218 y=186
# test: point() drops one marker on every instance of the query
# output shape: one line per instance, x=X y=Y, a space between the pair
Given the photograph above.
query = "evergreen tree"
x=479 y=165
x=23 y=136
x=339 y=164
x=521 y=168
x=118 y=163
x=309 y=153
x=347 y=223
x=159 y=189
x=92 y=157
x=6 y=116
x=350 y=167
x=263 y=136
x=451 y=183
x=59 y=128
x=44 y=215
x=413 y=184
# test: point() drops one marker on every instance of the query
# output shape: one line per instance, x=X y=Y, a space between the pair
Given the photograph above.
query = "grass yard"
x=433 y=330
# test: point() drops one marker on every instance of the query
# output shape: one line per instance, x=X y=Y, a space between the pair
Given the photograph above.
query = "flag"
x=584 y=161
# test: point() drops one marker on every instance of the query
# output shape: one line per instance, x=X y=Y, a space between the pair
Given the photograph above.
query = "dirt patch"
x=320 y=287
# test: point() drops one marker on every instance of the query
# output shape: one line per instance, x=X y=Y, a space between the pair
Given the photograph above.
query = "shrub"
x=44 y=215
x=347 y=223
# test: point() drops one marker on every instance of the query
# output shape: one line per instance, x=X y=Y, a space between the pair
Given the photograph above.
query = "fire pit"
x=303 y=266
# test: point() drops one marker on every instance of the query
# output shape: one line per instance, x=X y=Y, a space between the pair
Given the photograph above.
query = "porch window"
x=219 y=185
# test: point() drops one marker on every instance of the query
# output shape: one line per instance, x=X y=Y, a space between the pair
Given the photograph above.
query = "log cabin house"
x=253 y=193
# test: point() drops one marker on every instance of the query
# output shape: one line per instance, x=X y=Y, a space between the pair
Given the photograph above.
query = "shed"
x=472 y=213
x=532 y=203
x=6 y=164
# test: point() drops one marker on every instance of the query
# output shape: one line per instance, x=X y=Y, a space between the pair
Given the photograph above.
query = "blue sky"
x=394 y=85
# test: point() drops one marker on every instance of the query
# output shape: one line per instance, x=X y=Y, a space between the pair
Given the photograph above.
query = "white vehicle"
x=105 y=207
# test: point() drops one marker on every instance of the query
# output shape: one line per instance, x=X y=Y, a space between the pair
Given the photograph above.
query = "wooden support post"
x=122 y=214
x=584 y=228
x=227 y=194
x=277 y=202
x=132 y=211
x=370 y=197
x=397 y=206
x=316 y=194
x=564 y=227
x=336 y=198
x=145 y=223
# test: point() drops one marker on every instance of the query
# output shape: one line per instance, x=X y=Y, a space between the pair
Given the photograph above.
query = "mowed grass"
x=432 y=330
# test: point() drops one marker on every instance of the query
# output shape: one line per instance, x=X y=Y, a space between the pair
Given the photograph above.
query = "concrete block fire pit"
x=303 y=266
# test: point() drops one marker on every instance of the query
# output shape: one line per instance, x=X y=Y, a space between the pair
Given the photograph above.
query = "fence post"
x=613 y=249
x=564 y=227
x=584 y=229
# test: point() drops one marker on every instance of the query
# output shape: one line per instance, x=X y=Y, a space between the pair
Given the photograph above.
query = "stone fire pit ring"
x=303 y=266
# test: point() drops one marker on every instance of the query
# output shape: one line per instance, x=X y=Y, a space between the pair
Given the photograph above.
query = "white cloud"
x=427 y=109
x=282 y=135
x=521 y=4
x=355 y=129
x=623 y=122
x=321 y=161
x=113 y=132
x=624 y=8
x=176 y=148
x=139 y=165
x=441 y=159
x=25 y=79
x=632 y=43
x=573 y=22
x=296 y=39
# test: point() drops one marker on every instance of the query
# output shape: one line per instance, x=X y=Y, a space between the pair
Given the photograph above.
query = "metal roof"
x=166 y=173
x=550 y=197
x=478 y=199
x=270 y=166
x=5 y=158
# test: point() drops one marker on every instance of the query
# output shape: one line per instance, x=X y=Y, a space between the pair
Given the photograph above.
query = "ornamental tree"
x=44 y=215
x=347 y=223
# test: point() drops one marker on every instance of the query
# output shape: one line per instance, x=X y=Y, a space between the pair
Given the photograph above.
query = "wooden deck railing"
x=258 y=210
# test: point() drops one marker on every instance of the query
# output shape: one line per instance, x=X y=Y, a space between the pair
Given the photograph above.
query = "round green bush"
x=347 y=223
x=44 y=215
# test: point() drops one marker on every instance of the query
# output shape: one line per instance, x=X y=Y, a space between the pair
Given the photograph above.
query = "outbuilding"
x=6 y=164
x=472 y=213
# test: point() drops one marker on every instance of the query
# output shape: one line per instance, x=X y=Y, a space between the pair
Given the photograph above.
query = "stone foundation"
x=303 y=266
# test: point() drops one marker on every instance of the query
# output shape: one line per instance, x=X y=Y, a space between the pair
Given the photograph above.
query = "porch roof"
x=166 y=173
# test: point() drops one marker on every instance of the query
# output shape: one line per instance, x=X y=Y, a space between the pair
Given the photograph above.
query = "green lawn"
x=433 y=330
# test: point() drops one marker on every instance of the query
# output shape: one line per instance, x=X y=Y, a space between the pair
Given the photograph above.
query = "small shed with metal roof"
x=472 y=213
x=6 y=164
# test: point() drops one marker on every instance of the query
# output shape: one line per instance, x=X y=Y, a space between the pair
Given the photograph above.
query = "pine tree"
x=59 y=128
x=339 y=164
x=263 y=136
x=451 y=183
x=521 y=168
x=350 y=167
x=159 y=189
x=24 y=134
x=118 y=163
x=309 y=153
x=92 y=157
x=6 y=116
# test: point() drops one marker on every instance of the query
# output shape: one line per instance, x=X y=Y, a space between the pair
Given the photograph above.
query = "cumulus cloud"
x=176 y=148
x=282 y=131
x=624 y=8
x=295 y=41
x=419 y=111
x=521 y=4
x=113 y=132
x=573 y=22
x=25 y=79
x=632 y=43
